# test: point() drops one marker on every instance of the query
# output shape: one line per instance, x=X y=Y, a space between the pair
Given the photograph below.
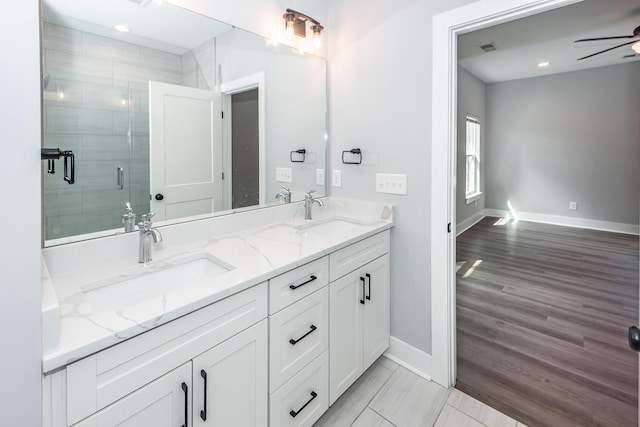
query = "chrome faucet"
x=284 y=195
x=308 y=203
x=147 y=234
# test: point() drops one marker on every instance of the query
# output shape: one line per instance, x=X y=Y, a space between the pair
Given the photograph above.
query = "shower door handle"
x=120 y=178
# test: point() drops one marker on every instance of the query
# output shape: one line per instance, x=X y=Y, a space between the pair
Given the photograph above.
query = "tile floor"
x=388 y=395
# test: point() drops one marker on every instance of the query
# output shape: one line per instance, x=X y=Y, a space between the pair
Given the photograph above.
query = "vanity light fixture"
x=636 y=47
x=296 y=23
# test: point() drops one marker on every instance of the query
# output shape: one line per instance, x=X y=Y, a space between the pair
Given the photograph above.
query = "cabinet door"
x=163 y=402
x=376 y=310
x=345 y=333
x=233 y=377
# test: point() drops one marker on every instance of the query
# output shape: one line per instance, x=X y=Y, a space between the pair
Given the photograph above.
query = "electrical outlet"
x=391 y=183
x=573 y=206
x=284 y=175
x=336 y=178
x=319 y=176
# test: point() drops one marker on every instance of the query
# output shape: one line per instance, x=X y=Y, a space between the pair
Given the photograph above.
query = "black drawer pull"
x=203 y=412
x=294 y=342
x=362 y=300
x=369 y=277
x=186 y=404
x=311 y=279
x=295 y=414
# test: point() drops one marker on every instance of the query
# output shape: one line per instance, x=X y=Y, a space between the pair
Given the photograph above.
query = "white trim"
x=244 y=84
x=591 y=224
x=407 y=356
x=473 y=197
x=470 y=222
x=446 y=27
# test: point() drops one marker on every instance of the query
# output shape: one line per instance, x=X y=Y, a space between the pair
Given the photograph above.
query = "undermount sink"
x=329 y=226
x=149 y=281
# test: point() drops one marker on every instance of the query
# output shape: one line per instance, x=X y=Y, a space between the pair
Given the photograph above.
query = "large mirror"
x=181 y=115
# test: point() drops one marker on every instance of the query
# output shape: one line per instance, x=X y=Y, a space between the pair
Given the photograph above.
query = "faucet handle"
x=286 y=188
x=147 y=217
x=309 y=192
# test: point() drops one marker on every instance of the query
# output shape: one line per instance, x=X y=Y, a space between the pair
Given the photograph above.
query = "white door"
x=346 y=299
x=184 y=150
x=376 y=310
x=233 y=377
x=165 y=402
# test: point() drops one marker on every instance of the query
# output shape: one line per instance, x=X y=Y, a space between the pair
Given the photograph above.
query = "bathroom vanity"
x=252 y=319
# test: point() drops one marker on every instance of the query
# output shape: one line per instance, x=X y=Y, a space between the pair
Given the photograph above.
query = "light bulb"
x=289 y=19
x=317 y=41
x=122 y=28
x=636 y=47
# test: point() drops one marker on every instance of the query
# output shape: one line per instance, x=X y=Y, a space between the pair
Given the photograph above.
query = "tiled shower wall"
x=96 y=104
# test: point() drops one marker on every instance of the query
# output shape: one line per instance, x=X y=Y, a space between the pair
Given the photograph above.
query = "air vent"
x=489 y=47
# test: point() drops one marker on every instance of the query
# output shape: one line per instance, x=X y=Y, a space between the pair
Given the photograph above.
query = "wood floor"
x=542 y=318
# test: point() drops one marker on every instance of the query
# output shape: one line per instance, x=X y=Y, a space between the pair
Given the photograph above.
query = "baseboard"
x=591 y=224
x=407 y=356
x=470 y=222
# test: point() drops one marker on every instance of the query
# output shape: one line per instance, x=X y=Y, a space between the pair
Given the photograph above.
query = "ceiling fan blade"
x=606 y=50
x=606 y=38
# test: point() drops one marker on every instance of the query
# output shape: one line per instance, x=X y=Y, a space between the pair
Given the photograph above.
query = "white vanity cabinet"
x=359 y=310
x=165 y=402
x=298 y=343
x=224 y=386
x=227 y=339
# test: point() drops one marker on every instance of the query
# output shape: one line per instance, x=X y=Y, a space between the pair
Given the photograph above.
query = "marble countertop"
x=255 y=246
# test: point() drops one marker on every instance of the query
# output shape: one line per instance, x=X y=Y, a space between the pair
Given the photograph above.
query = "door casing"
x=446 y=27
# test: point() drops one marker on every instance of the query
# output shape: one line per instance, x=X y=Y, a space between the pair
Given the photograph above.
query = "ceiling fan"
x=636 y=42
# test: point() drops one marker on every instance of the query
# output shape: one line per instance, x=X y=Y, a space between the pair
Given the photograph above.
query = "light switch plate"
x=391 y=183
x=336 y=178
x=284 y=175
x=573 y=206
x=320 y=177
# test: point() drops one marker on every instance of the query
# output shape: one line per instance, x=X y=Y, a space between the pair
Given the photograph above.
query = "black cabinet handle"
x=203 y=413
x=369 y=277
x=362 y=300
x=186 y=404
x=311 y=279
x=295 y=414
x=311 y=329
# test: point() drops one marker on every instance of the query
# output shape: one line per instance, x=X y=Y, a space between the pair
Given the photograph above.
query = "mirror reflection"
x=180 y=115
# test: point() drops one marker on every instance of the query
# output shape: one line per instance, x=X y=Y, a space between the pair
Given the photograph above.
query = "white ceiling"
x=153 y=24
x=550 y=36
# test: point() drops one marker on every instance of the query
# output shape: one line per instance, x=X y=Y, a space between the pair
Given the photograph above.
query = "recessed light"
x=121 y=28
x=543 y=64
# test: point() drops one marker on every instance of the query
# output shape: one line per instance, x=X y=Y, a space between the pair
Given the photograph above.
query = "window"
x=473 y=159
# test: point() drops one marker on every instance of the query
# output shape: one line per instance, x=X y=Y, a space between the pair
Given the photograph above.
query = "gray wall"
x=380 y=100
x=471 y=102
x=20 y=332
x=567 y=137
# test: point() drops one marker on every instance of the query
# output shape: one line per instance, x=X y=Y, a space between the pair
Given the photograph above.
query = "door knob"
x=634 y=338
x=159 y=196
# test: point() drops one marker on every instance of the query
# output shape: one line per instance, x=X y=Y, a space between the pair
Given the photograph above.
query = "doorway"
x=244 y=149
x=475 y=16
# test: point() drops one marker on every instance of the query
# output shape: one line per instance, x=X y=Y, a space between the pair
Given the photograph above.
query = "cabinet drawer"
x=296 y=284
x=298 y=334
x=99 y=380
x=355 y=256
x=303 y=399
